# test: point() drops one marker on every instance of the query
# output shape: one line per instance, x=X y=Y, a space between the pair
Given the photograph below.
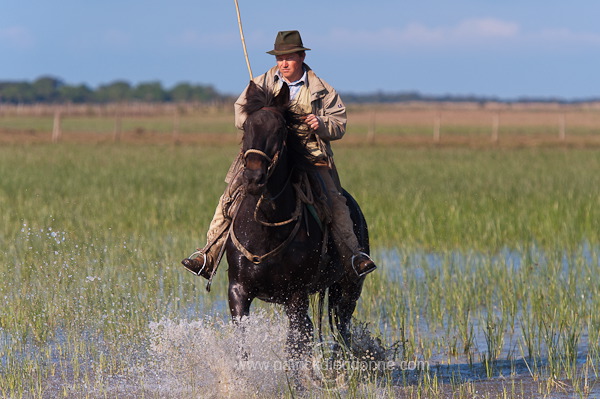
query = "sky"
x=496 y=48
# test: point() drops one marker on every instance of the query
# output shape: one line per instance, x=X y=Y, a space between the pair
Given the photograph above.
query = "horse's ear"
x=282 y=98
x=253 y=89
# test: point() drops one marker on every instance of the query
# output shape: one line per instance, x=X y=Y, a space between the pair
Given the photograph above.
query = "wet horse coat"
x=275 y=253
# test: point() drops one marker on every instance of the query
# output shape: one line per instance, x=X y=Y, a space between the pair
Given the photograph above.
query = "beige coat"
x=325 y=101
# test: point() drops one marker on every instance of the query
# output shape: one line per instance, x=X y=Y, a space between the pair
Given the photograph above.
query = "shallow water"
x=195 y=356
x=202 y=359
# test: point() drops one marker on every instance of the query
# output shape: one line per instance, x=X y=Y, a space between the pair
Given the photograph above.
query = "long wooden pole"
x=237 y=9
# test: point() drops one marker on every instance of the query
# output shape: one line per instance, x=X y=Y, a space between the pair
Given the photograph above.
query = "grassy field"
x=488 y=266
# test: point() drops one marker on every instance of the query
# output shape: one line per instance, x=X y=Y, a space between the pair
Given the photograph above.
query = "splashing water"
x=203 y=358
x=214 y=358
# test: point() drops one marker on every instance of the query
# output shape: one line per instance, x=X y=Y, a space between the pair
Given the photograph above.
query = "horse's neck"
x=280 y=191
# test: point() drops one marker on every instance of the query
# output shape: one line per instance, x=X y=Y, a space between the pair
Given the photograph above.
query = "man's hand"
x=312 y=121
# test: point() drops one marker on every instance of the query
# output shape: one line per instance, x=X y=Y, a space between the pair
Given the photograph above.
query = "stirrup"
x=365 y=272
x=193 y=256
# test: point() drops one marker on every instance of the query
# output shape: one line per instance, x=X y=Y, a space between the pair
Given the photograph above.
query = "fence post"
x=371 y=133
x=56 y=128
x=437 y=121
x=117 y=130
x=176 y=126
x=495 y=126
x=561 y=127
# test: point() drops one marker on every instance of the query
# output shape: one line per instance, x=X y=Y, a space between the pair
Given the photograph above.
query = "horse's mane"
x=257 y=99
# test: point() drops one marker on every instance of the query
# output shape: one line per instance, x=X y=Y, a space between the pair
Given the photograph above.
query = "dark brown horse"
x=275 y=249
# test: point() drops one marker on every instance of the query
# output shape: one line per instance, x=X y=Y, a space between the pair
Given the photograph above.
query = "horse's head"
x=265 y=131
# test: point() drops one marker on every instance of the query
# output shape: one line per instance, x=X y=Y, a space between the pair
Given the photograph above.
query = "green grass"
x=206 y=121
x=93 y=236
x=469 y=199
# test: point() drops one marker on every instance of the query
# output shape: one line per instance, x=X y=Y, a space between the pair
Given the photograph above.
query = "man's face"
x=290 y=66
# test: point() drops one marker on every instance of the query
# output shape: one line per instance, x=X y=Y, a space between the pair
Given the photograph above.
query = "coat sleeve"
x=332 y=113
x=240 y=116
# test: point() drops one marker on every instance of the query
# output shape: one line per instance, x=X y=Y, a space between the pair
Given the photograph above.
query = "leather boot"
x=200 y=264
x=362 y=264
x=342 y=227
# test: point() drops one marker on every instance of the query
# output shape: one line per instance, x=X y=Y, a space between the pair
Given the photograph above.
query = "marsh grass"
x=488 y=264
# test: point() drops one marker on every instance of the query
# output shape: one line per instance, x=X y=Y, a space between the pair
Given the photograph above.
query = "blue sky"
x=503 y=48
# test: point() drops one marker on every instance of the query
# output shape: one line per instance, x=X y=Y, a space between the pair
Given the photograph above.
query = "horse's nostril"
x=254 y=175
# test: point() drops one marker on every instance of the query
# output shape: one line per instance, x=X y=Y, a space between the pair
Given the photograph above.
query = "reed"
x=487 y=257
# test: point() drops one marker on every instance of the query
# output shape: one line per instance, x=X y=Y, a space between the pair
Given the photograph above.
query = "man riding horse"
x=325 y=121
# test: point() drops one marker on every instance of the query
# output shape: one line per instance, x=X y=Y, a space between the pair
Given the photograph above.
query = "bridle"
x=296 y=215
x=271 y=161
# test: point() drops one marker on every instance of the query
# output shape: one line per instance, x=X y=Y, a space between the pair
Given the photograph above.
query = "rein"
x=257 y=259
x=295 y=217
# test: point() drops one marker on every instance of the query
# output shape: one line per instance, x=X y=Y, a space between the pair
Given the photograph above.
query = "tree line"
x=51 y=90
x=48 y=89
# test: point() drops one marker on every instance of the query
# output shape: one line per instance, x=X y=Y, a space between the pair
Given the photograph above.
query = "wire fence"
x=402 y=123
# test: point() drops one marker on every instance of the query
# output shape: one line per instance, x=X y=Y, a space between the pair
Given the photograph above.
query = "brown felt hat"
x=287 y=42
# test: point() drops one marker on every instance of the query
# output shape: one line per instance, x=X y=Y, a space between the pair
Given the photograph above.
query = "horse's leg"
x=300 y=333
x=239 y=301
x=343 y=296
x=239 y=307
